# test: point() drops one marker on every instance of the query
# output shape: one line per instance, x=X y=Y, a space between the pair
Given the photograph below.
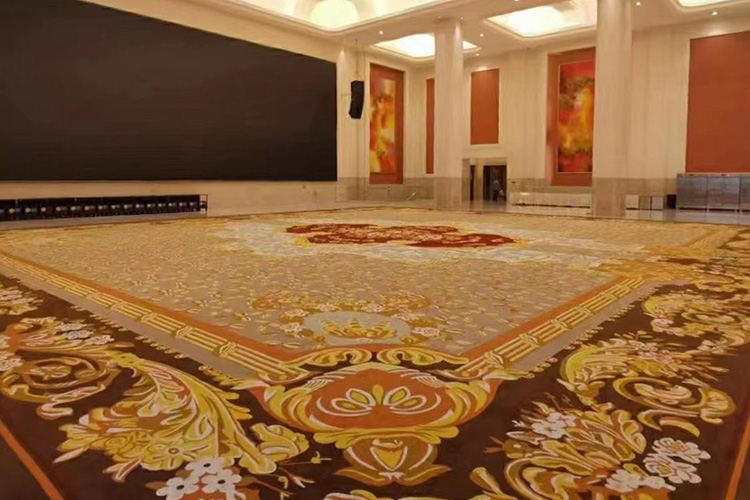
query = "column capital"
x=442 y=20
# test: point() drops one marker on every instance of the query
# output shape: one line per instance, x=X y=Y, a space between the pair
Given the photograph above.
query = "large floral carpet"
x=376 y=354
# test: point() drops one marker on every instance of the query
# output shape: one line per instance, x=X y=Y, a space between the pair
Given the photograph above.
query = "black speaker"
x=358 y=99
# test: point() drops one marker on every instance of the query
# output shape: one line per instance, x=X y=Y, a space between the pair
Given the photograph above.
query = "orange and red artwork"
x=575 y=117
x=384 y=157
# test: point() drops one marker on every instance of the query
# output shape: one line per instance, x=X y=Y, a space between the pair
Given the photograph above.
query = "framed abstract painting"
x=385 y=155
x=570 y=117
x=575 y=118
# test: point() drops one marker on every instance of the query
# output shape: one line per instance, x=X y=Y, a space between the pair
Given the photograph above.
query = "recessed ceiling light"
x=714 y=13
x=337 y=15
x=637 y=4
x=381 y=32
x=419 y=46
x=334 y=14
x=548 y=19
x=481 y=34
x=699 y=3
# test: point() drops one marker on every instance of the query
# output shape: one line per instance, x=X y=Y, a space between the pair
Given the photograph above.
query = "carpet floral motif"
x=389 y=420
x=413 y=236
x=13 y=302
x=648 y=405
x=666 y=372
x=394 y=318
x=664 y=375
x=215 y=269
x=168 y=420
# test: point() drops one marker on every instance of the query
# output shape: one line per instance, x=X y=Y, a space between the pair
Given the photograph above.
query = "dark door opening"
x=490 y=175
x=471 y=182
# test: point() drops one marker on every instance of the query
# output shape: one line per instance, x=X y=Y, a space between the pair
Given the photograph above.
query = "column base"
x=450 y=192
x=608 y=197
x=349 y=189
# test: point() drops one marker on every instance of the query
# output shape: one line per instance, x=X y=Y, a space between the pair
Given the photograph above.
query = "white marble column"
x=451 y=176
x=611 y=107
x=351 y=179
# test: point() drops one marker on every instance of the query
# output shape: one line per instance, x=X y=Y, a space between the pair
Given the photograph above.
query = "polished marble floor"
x=669 y=215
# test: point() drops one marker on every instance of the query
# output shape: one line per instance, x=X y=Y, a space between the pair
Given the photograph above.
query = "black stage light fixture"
x=93 y=207
x=358 y=99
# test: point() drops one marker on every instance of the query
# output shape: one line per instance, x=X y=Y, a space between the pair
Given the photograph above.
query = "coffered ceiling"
x=337 y=15
x=405 y=27
x=419 y=46
x=549 y=19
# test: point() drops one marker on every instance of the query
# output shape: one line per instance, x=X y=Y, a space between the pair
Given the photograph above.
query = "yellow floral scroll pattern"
x=197 y=420
x=600 y=452
x=388 y=420
x=388 y=411
x=14 y=302
x=570 y=453
x=558 y=452
x=480 y=476
x=78 y=368
x=168 y=420
x=650 y=374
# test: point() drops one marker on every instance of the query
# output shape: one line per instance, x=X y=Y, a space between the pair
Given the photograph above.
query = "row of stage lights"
x=54 y=208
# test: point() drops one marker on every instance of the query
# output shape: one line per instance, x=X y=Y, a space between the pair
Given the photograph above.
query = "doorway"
x=490 y=174
x=473 y=173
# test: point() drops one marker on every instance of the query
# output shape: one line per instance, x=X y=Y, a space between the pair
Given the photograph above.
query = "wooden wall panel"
x=485 y=107
x=430 y=125
x=718 y=136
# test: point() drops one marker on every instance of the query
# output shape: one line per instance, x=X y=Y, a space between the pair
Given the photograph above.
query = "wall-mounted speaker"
x=358 y=99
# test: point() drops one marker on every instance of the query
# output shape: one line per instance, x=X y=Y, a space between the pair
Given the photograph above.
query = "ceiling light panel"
x=699 y=3
x=550 y=19
x=336 y=15
x=420 y=46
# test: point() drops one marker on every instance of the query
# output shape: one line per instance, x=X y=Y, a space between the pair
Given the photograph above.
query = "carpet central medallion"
x=413 y=236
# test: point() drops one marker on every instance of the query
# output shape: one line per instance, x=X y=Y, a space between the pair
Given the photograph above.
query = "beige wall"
x=353 y=135
x=658 y=99
x=226 y=20
x=661 y=64
x=658 y=121
x=522 y=111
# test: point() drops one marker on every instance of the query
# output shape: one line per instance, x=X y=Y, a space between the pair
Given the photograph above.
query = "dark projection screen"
x=91 y=93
